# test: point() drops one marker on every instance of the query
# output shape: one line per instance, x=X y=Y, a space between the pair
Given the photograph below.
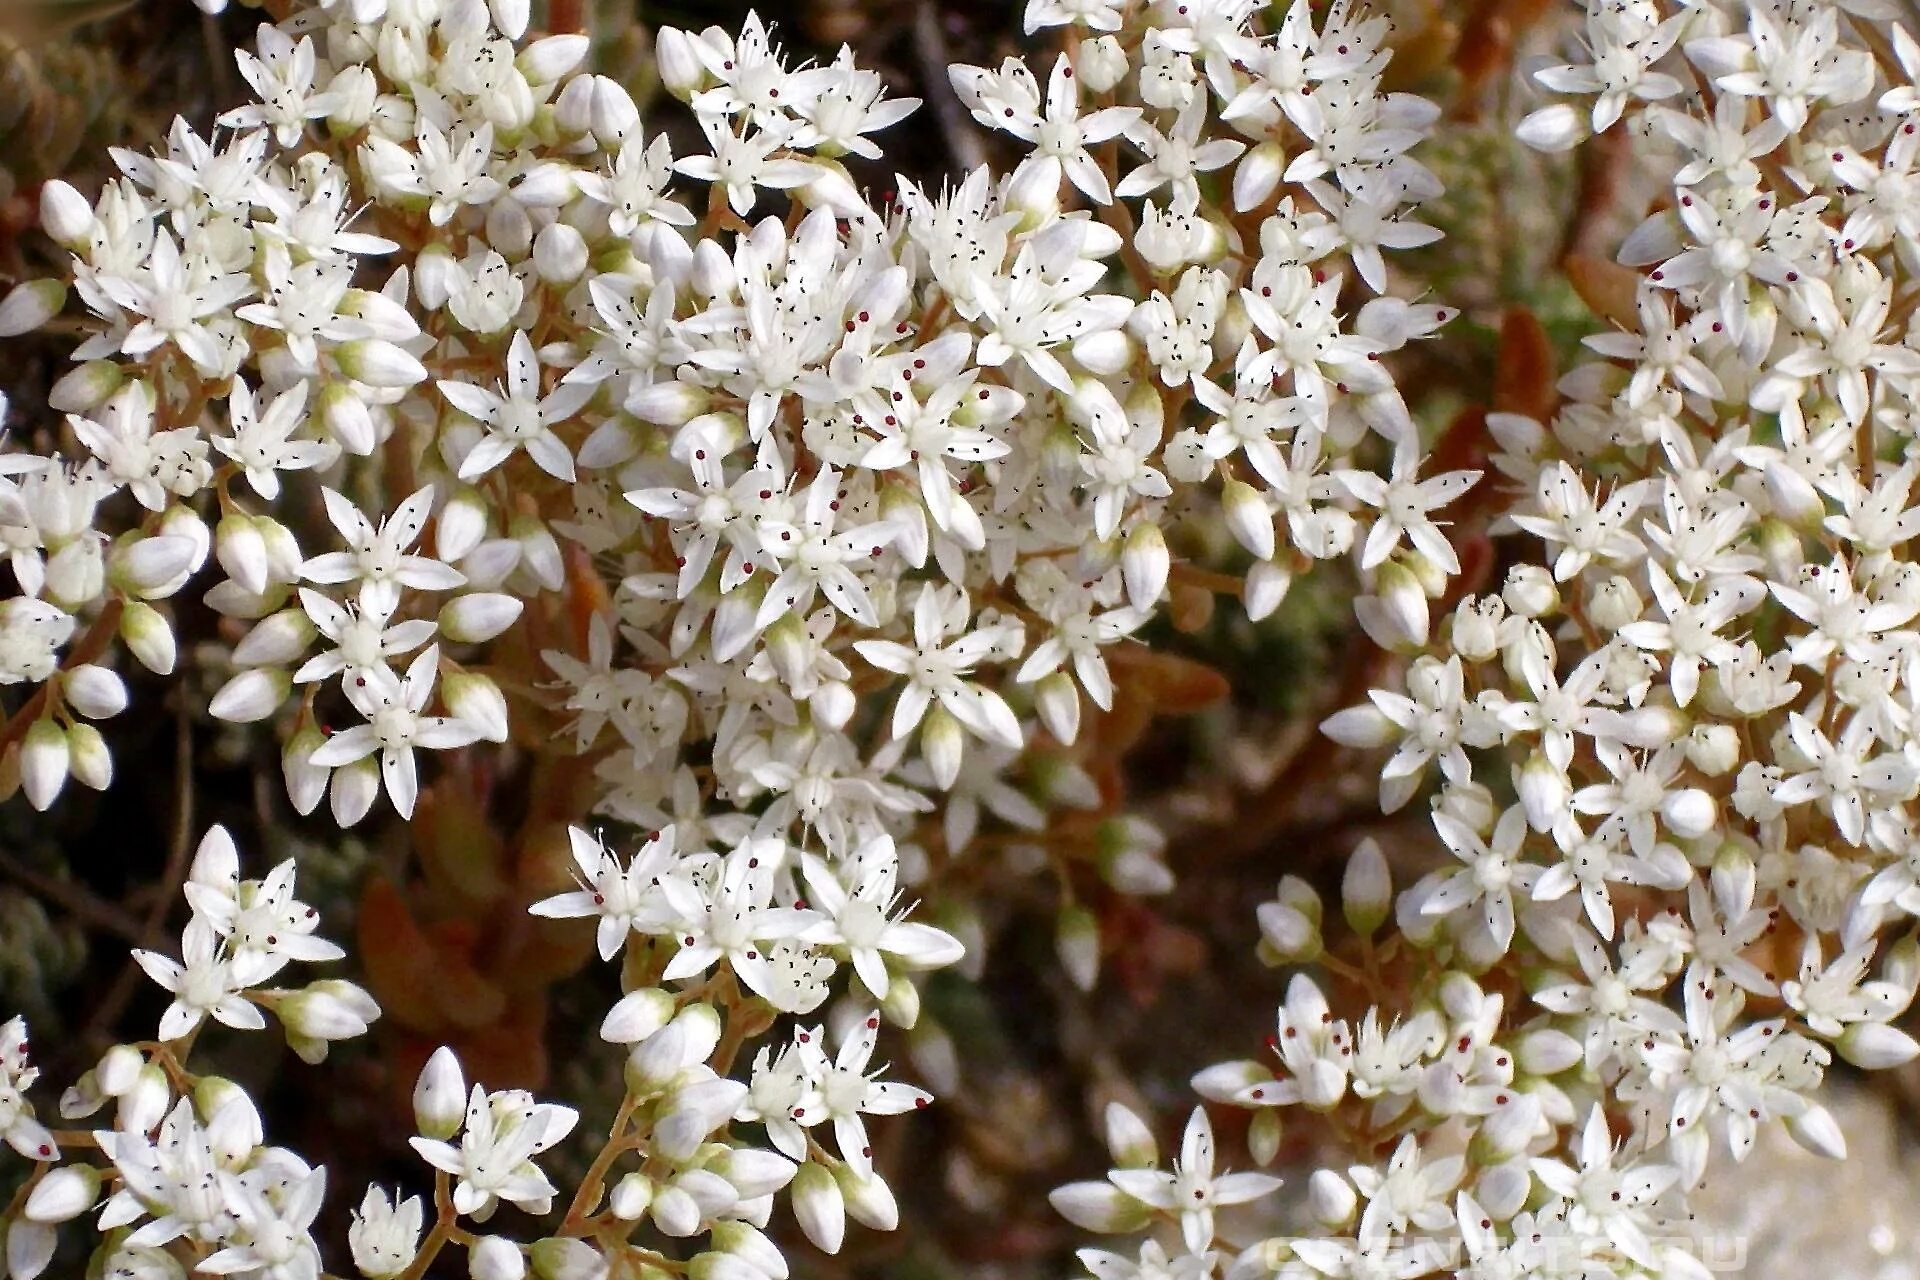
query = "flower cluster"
x=815 y=531
x=1672 y=754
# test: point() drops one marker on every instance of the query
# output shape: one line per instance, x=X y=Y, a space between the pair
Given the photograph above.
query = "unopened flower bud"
x=1144 y=564
x=869 y=1199
x=1249 y=518
x=440 y=1096
x=478 y=616
x=65 y=215
x=1101 y=64
x=277 y=639
x=1546 y=1052
x=559 y=254
x=1559 y=127
x=630 y=1197
x=615 y=115
x=1713 y=749
x=1057 y=700
x=1875 y=1046
x=1530 y=591
x=1099 y=1207
x=820 y=1207
x=1257 y=176
x=88 y=757
x=1076 y=940
x=1817 y=1131
x=30 y=305
x=148 y=567
x=562 y=1258
x=252 y=695
x=86 y=387
x=44 y=761
x=1331 y=1199
x=1615 y=605
x=63 y=1194
x=94 y=691
x=550 y=57
x=944 y=743
x=1366 y=889
x=679 y=67
x=1545 y=792
x=495 y=1258
x=379 y=363
x=1689 y=812
x=1266 y=587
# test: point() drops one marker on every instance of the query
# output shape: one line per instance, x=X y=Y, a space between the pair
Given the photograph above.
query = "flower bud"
x=1689 y=812
x=667 y=403
x=820 y=1207
x=1248 y=518
x=476 y=699
x=559 y=254
x=88 y=757
x=65 y=215
x=1545 y=792
x=44 y=760
x=1560 y=127
x=561 y=1258
x=252 y=695
x=478 y=616
x=510 y=17
x=1713 y=749
x=149 y=567
x=1076 y=940
x=118 y=1069
x=1503 y=1189
x=276 y=640
x=1264 y=1132
x=1144 y=564
x=615 y=116
x=306 y=781
x=1099 y=1207
x=30 y=305
x=326 y=1011
x=550 y=57
x=95 y=692
x=1875 y=1046
x=1331 y=1199
x=1817 y=1131
x=440 y=1096
x=869 y=1200
x=495 y=1258
x=1105 y=353
x=1366 y=889
x=86 y=387
x=681 y=73
x=1128 y=1138
x=143 y=1105
x=1615 y=605
x=1287 y=935
x=1547 y=1052
x=1057 y=700
x=1257 y=176
x=353 y=91
x=1101 y=64
x=1266 y=588
x=630 y=1197
x=573 y=109
x=378 y=363
x=347 y=418
x=1530 y=591
x=944 y=743
x=832 y=704
x=901 y=1005
x=63 y=1195
x=1401 y=617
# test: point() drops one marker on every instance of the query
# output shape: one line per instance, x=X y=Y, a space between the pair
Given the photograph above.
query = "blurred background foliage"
x=1214 y=738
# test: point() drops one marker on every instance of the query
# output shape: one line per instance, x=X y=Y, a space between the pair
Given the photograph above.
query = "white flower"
x=521 y=418
x=501 y=1134
x=1191 y=1191
x=395 y=725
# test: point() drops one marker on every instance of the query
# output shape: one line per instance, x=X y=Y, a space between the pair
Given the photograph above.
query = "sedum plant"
x=767 y=529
